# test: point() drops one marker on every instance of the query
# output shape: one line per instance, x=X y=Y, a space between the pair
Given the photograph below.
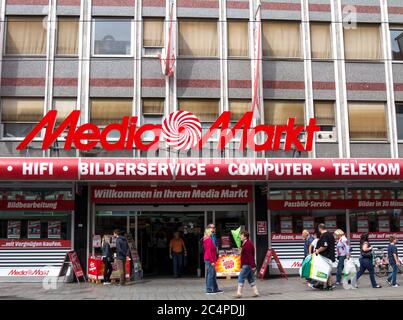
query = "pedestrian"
x=308 y=238
x=177 y=252
x=394 y=262
x=366 y=261
x=210 y=259
x=343 y=253
x=122 y=252
x=326 y=248
x=107 y=258
x=314 y=243
x=248 y=265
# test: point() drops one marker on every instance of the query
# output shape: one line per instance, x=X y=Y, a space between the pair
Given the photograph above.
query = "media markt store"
x=160 y=211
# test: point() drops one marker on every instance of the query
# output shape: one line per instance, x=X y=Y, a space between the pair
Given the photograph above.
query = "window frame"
x=395 y=28
x=112 y=18
x=268 y=58
x=57 y=36
x=396 y=105
x=199 y=20
x=331 y=40
x=382 y=57
x=5 y=54
x=143 y=47
x=37 y=138
x=378 y=141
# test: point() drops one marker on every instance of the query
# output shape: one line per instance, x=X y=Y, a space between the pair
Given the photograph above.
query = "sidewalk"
x=193 y=289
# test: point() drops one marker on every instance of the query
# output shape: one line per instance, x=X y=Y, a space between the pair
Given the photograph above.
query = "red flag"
x=167 y=58
x=257 y=60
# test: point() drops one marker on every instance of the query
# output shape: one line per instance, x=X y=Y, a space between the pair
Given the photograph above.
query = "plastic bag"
x=305 y=269
x=321 y=268
x=349 y=274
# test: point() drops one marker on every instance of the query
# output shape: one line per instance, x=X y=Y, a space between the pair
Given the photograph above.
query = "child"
x=393 y=262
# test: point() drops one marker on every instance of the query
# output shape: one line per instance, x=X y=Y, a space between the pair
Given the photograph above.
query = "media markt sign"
x=181 y=130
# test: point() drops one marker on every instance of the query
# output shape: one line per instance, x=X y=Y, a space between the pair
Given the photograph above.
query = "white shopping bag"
x=321 y=268
x=349 y=274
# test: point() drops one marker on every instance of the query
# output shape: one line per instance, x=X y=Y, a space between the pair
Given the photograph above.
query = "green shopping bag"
x=306 y=267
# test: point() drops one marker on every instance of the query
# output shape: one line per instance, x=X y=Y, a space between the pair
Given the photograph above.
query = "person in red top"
x=248 y=265
x=210 y=258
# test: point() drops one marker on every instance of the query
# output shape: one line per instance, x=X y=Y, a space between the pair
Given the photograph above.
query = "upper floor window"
x=363 y=42
x=321 y=42
x=153 y=36
x=112 y=37
x=198 y=38
x=153 y=112
x=26 y=35
x=67 y=36
x=277 y=112
x=281 y=39
x=64 y=106
x=238 y=44
x=399 y=120
x=20 y=115
x=326 y=120
x=109 y=110
x=367 y=121
x=396 y=35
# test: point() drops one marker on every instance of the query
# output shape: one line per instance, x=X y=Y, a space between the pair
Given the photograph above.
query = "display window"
x=376 y=220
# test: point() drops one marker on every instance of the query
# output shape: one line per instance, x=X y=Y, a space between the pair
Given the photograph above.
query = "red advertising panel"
x=308 y=223
x=384 y=223
x=362 y=224
x=78 y=270
x=35 y=244
x=13 y=229
x=331 y=223
x=173 y=194
x=237 y=169
x=54 y=229
x=286 y=224
x=261 y=228
x=37 y=205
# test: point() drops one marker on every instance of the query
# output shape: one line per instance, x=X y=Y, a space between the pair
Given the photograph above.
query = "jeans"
x=366 y=264
x=340 y=267
x=211 y=277
x=246 y=274
x=107 y=270
x=121 y=266
x=177 y=259
x=393 y=275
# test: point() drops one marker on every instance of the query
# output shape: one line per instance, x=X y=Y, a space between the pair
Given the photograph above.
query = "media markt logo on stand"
x=181 y=130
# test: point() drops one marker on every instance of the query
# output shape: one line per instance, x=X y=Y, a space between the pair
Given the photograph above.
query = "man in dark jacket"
x=326 y=247
x=122 y=251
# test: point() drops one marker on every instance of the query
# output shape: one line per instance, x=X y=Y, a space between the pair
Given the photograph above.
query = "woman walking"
x=366 y=260
x=107 y=259
x=248 y=265
x=210 y=258
x=343 y=253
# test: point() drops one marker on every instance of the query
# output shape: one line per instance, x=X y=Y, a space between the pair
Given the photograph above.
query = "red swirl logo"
x=181 y=130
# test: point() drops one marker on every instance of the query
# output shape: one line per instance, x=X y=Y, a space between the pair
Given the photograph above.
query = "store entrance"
x=156 y=230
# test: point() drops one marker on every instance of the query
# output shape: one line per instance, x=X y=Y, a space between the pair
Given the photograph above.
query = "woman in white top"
x=343 y=253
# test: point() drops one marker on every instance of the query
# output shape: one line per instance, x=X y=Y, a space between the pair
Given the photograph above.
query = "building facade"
x=340 y=62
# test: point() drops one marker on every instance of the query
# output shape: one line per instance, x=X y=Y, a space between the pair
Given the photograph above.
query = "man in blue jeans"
x=394 y=262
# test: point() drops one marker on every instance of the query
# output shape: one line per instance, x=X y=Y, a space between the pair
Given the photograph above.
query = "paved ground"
x=191 y=289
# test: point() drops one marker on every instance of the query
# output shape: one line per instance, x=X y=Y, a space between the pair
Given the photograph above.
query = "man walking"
x=326 y=248
x=177 y=251
x=122 y=251
x=394 y=262
x=308 y=238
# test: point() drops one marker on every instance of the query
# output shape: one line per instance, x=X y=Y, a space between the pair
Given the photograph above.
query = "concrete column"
x=390 y=106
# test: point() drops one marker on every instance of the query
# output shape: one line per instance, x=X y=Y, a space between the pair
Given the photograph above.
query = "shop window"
x=325 y=119
x=112 y=37
x=67 y=35
x=205 y=109
x=281 y=39
x=26 y=35
x=363 y=42
x=225 y=221
x=153 y=36
x=399 y=120
x=321 y=42
x=376 y=220
x=396 y=35
x=20 y=115
x=153 y=112
x=278 y=112
x=198 y=38
x=367 y=121
x=238 y=44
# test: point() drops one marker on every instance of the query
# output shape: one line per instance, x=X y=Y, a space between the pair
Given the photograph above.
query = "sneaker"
x=377 y=286
x=211 y=293
x=388 y=282
x=106 y=283
x=219 y=291
x=337 y=283
x=396 y=285
x=310 y=285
